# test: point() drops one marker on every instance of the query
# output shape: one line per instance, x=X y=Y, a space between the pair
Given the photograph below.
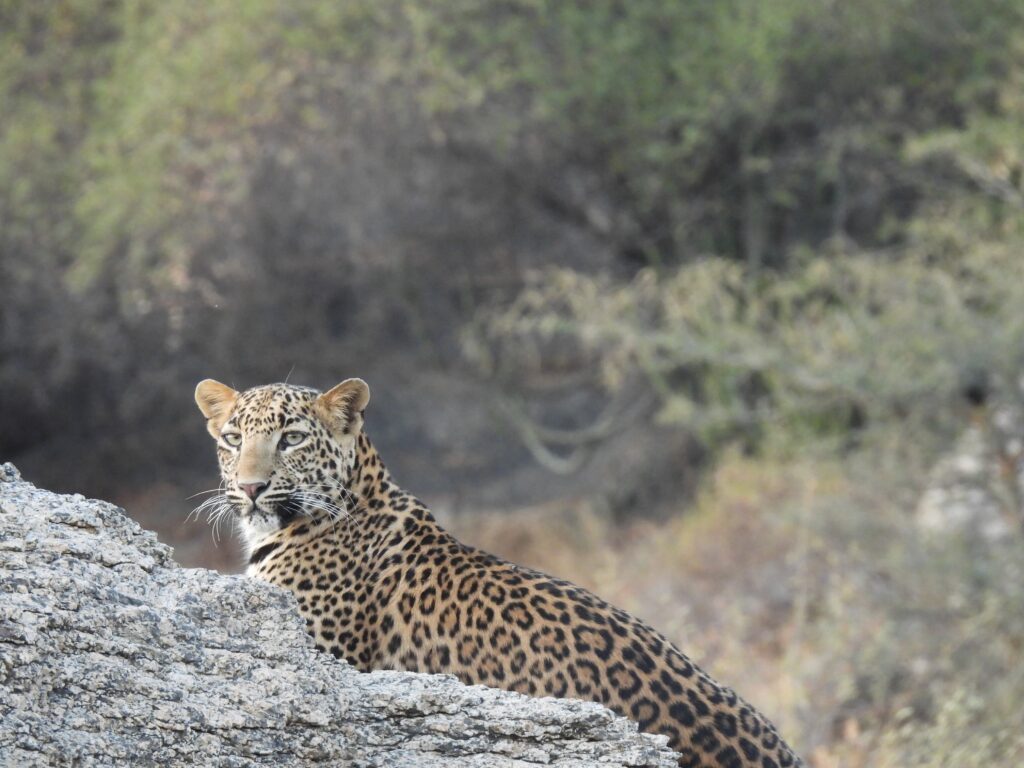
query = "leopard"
x=383 y=586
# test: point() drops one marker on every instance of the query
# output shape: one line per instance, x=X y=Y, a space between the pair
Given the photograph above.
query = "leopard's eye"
x=234 y=439
x=291 y=439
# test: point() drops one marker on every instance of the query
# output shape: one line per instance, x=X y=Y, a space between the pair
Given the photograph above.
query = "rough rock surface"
x=112 y=654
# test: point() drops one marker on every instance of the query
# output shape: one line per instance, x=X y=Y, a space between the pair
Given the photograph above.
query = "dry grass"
x=808 y=588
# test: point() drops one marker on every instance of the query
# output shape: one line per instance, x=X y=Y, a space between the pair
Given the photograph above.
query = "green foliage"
x=730 y=128
x=799 y=136
x=50 y=55
x=189 y=86
x=833 y=343
x=737 y=129
x=127 y=121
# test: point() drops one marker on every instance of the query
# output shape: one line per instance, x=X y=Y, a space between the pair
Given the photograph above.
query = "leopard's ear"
x=216 y=401
x=342 y=407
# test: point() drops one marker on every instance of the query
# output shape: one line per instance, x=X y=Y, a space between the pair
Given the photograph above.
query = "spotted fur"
x=382 y=585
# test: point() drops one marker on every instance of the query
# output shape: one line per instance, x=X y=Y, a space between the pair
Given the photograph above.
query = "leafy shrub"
x=837 y=343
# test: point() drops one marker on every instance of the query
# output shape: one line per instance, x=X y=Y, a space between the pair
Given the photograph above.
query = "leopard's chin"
x=259 y=514
x=258 y=523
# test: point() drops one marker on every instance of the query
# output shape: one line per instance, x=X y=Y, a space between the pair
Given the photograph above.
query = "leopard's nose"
x=252 y=490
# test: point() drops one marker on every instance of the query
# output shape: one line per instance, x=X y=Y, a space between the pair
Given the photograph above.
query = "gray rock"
x=110 y=653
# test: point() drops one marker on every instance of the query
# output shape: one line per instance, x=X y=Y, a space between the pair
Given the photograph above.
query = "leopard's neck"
x=369 y=478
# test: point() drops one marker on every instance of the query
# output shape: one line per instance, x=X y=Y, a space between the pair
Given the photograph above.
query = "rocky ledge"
x=112 y=654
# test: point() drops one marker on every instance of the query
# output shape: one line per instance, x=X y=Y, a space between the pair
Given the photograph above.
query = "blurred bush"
x=821 y=351
x=176 y=182
x=735 y=129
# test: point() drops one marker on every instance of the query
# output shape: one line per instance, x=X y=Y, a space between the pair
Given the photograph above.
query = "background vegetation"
x=680 y=300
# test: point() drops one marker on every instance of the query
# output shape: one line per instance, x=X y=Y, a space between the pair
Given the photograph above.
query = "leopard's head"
x=284 y=450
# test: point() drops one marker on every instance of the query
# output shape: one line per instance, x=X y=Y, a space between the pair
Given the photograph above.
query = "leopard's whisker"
x=213 y=501
x=218 y=489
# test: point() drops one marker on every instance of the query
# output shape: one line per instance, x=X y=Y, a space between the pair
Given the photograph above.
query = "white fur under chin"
x=256 y=527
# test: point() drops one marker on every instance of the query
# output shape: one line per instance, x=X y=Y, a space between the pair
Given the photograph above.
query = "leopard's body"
x=382 y=585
